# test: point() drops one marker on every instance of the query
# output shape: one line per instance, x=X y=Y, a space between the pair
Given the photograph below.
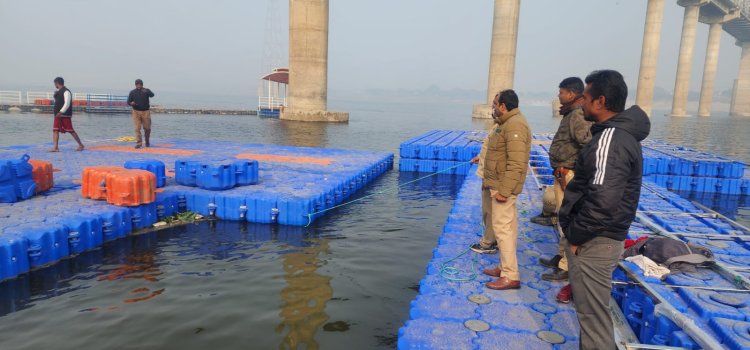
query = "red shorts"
x=63 y=124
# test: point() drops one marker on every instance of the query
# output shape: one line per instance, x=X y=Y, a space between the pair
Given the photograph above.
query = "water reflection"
x=304 y=297
x=302 y=134
x=131 y=269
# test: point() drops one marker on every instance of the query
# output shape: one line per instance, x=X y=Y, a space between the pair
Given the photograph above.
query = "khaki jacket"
x=574 y=133
x=506 y=160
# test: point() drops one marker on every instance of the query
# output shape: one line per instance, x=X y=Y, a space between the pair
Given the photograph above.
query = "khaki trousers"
x=559 y=193
x=142 y=119
x=501 y=226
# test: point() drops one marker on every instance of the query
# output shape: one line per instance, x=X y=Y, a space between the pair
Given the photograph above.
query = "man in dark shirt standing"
x=601 y=201
x=139 y=100
x=63 y=112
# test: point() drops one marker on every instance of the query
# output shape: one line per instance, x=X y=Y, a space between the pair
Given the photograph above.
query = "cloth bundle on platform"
x=675 y=255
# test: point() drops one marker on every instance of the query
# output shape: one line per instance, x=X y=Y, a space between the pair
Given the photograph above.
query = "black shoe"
x=557 y=275
x=148 y=144
x=477 y=247
x=137 y=146
x=542 y=220
x=551 y=263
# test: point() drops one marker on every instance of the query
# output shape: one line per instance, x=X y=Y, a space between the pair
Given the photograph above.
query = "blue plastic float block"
x=246 y=172
x=632 y=307
x=15 y=180
x=201 y=201
x=438 y=149
x=721 y=226
x=717 y=246
x=233 y=207
x=20 y=168
x=8 y=193
x=733 y=260
x=143 y=216
x=84 y=232
x=710 y=304
x=517 y=340
x=14 y=259
x=167 y=204
x=444 y=307
x=411 y=148
x=294 y=211
x=701 y=277
x=186 y=171
x=153 y=165
x=436 y=334
x=117 y=221
x=6 y=172
x=699 y=184
x=543 y=171
x=683 y=340
x=216 y=176
x=432 y=166
x=443 y=145
x=547 y=180
x=735 y=335
x=47 y=243
x=263 y=208
x=512 y=317
x=436 y=284
x=694 y=229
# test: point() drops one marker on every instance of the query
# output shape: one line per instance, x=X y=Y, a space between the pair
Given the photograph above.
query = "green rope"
x=451 y=273
x=310 y=215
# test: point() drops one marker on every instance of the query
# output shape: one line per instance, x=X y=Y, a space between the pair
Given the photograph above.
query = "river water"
x=343 y=283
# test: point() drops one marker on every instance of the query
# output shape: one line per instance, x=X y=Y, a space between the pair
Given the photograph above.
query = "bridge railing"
x=271 y=102
x=34 y=97
x=106 y=103
x=11 y=97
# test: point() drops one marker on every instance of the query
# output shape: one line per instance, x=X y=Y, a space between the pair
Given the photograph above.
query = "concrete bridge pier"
x=307 y=98
x=741 y=95
x=685 y=59
x=502 y=53
x=711 y=64
x=709 y=69
x=649 y=55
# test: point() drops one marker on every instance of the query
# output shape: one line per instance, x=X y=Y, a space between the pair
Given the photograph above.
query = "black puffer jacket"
x=602 y=198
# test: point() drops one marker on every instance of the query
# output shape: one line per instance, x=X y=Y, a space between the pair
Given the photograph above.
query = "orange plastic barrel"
x=42 y=173
x=131 y=187
x=93 y=181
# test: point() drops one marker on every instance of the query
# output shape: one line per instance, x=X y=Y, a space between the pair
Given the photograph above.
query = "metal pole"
x=538 y=185
x=730 y=221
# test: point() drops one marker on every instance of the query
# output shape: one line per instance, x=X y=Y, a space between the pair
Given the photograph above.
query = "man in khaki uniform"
x=503 y=165
x=573 y=133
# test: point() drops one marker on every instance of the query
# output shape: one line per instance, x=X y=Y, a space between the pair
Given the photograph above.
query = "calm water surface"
x=343 y=283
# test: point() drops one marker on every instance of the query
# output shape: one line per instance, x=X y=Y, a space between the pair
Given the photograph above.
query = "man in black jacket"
x=139 y=100
x=601 y=201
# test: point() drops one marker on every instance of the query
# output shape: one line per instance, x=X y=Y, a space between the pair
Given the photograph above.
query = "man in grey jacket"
x=572 y=134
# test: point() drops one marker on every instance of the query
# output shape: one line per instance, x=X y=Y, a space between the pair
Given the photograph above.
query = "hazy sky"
x=217 y=46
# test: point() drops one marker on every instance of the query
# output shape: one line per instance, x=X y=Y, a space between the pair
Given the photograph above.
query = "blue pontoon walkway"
x=708 y=308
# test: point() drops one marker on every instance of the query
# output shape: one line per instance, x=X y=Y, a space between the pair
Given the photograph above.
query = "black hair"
x=574 y=84
x=611 y=85
x=60 y=80
x=509 y=98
